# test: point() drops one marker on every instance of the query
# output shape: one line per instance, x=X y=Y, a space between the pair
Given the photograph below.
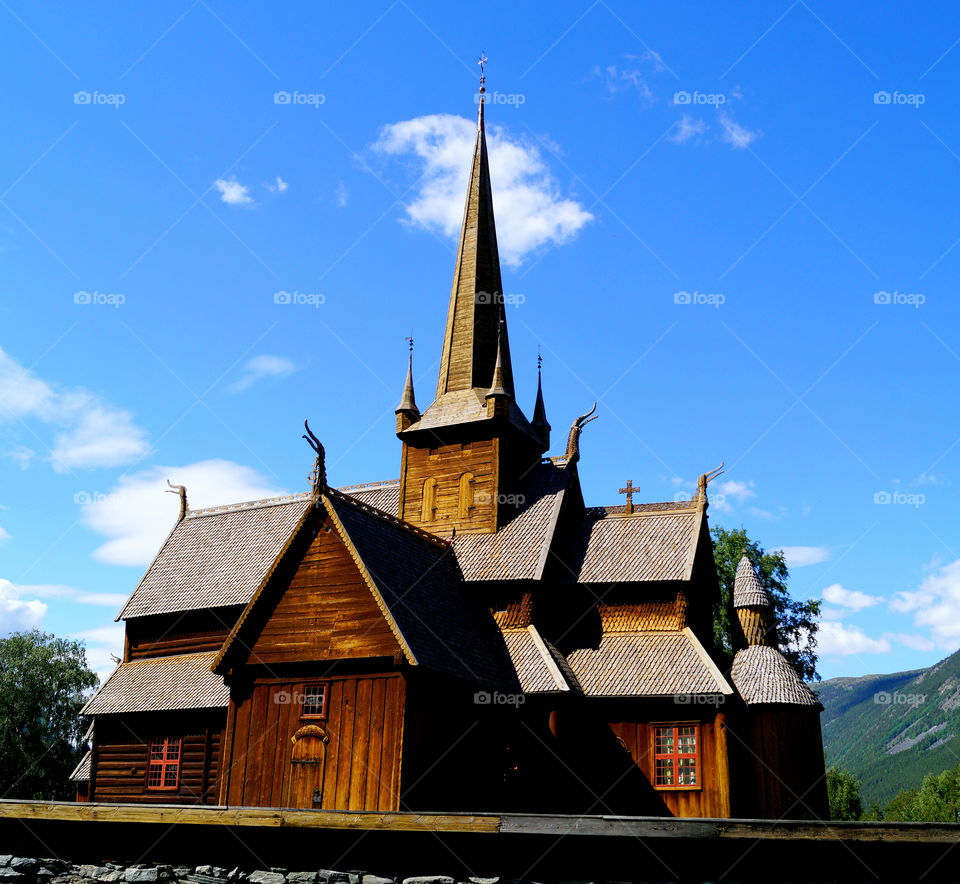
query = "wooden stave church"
x=469 y=637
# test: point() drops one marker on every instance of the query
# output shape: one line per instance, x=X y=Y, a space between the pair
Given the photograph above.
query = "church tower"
x=465 y=456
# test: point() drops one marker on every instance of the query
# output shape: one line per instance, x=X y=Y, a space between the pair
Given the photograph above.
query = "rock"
x=328 y=876
x=473 y=880
x=87 y=871
x=302 y=877
x=5 y=859
x=111 y=877
x=235 y=874
x=219 y=872
x=182 y=871
x=429 y=879
x=67 y=879
x=204 y=870
x=24 y=864
x=141 y=876
x=376 y=879
x=8 y=874
x=264 y=877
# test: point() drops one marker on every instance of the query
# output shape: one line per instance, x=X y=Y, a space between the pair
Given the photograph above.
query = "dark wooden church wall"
x=712 y=799
x=325 y=612
x=120 y=756
x=179 y=633
x=777 y=763
x=359 y=765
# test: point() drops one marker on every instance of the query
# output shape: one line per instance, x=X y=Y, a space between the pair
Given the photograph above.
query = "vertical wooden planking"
x=272 y=695
x=258 y=712
x=286 y=725
x=392 y=738
x=345 y=748
x=375 y=748
x=331 y=763
x=361 y=743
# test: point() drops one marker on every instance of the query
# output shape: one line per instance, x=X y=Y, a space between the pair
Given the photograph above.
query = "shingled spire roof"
x=470 y=342
x=408 y=403
x=747 y=589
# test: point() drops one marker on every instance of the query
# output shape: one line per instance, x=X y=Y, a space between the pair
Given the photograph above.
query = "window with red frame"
x=314 y=703
x=163 y=766
x=676 y=753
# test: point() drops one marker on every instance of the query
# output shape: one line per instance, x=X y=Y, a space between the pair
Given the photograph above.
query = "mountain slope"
x=891 y=730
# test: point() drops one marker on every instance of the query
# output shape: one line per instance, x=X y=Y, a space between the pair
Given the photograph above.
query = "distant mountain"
x=891 y=730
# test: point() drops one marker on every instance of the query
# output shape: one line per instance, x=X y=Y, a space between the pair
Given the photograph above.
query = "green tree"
x=843 y=791
x=939 y=798
x=44 y=681
x=902 y=807
x=797 y=621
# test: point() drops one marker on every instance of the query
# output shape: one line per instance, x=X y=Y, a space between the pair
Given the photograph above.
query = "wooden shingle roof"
x=656 y=543
x=216 y=557
x=762 y=674
x=647 y=664
x=540 y=667
x=747 y=589
x=183 y=681
x=81 y=773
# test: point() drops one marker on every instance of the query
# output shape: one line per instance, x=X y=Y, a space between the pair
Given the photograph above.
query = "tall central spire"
x=473 y=319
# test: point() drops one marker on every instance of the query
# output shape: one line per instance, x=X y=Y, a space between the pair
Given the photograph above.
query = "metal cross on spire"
x=482 y=62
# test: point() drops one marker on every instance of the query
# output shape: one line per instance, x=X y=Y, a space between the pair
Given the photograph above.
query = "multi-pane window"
x=314 y=704
x=676 y=754
x=163 y=764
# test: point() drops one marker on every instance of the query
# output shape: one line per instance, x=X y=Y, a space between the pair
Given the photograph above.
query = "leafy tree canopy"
x=44 y=681
x=843 y=791
x=797 y=621
x=936 y=801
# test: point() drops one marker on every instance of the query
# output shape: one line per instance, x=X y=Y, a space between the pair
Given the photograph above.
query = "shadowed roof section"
x=183 y=681
x=647 y=664
x=658 y=542
x=216 y=557
x=417 y=580
x=540 y=667
x=762 y=674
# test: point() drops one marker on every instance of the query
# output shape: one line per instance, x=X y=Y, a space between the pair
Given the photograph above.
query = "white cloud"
x=137 y=515
x=102 y=642
x=917 y=642
x=233 y=192
x=617 y=79
x=852 y=599
x=342 y=195
x=801 y=556
x=4 y=534
x=261 y=367
x=836 y=640
x=935 y=604
x=732 y=489
x=278 y=186
x=16 y=612
x=529 y=208
x=59 y=591
x=92 y=433
x=687 y=127
x=734 y=134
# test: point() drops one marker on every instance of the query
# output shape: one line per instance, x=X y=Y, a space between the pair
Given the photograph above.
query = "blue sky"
x=734 y=226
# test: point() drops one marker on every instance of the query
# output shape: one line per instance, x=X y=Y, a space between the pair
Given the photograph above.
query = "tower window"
x=466 y=495
x=428 y=506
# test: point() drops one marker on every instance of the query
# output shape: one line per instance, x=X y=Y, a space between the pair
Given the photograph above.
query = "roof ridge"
x=395 y=520
x=369 y=486
x=652 y=508
x=247 y=505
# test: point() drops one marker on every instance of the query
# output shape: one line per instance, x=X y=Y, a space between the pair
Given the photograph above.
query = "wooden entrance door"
x=307 y=762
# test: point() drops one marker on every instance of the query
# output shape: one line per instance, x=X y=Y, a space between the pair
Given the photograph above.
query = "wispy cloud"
x=734 y=134
x=731 y=490
x=91 y=433
x=261 y=367
x=531 y=212
x=278 y=186
x=342 y=195
x=233 y=192
x=687 y=127
x=852 y=599
x=137 y=514
x=935 y=604
x=801 y=556
x=18 y=611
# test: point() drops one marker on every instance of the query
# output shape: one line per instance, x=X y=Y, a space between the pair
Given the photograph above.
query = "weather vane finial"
x=409 y=340
x=482 y=62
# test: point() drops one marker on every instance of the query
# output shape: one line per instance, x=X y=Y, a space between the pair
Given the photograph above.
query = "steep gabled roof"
x=657 y=542
x=183 y=681
x=216 y=557
x=81 y=773
x=647 y=664
x=413 y=578
x=762 y=674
